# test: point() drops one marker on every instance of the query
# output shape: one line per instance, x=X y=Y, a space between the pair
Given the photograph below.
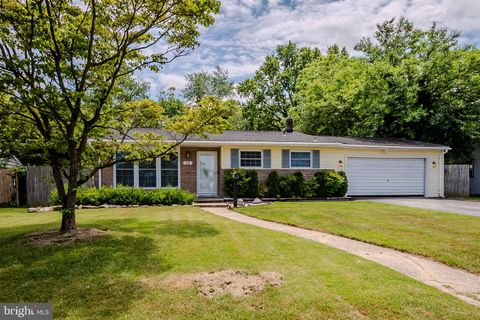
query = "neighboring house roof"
x=11 y=162
x=295 y=138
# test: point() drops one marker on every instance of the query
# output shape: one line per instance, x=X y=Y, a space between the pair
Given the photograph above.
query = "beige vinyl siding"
x=330 y=157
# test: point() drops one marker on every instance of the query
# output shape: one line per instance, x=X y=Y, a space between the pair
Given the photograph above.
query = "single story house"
x=374 y=166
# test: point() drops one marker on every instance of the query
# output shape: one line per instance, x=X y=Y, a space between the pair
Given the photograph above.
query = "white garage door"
x=385 y=177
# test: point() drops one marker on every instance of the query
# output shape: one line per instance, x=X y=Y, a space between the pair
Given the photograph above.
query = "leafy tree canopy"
x=201 y=84
x=271 y=92
x=65 y=92
x=410 y=83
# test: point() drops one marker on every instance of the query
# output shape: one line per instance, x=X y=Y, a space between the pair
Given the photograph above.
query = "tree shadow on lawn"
x=95 y=278
x=177 y=228
x=91 y=279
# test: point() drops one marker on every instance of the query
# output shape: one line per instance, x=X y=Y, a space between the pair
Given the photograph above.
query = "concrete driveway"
x=465 y=207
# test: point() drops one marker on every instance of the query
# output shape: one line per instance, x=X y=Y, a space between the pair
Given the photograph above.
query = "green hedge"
x=247 y=185
x=285 y=186
x=129 y=196
x=324 y=184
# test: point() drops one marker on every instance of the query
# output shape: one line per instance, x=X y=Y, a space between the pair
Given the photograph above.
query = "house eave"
x=308 y=144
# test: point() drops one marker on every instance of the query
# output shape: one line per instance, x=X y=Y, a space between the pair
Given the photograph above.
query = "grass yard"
x=119 y=276
x=449 y=238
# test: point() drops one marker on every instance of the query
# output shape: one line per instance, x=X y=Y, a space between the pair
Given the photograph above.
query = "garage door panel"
x=385 y=176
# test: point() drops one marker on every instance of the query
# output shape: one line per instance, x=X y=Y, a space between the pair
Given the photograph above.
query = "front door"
x=207 y=181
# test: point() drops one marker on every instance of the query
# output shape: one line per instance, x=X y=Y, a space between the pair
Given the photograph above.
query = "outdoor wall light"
x=187 y=154
x=434 y=164
x=340 y=164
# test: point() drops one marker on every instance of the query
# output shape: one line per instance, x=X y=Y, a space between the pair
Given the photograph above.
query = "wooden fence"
x=39 y=185
x=457 y=180
x=7 y=190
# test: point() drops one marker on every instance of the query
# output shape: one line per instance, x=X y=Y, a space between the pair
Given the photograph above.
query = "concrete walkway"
x=459 y=283
x=465 y=207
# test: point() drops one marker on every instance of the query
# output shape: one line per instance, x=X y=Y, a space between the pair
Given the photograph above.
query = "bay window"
x=169 y=170
x=147 y=174
x=124 y=172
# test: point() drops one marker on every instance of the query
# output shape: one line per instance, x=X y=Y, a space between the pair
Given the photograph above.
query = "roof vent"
x=289 y=125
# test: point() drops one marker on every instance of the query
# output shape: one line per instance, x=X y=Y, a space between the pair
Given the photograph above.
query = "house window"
x=472 y=169
x=300 y=159
x=124 y=172
x=147 y=174
x=251 y=159
x=169 y=171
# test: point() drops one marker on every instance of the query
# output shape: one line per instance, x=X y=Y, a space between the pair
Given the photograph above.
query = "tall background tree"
x=271 y=92
x=202 y=84
x=408 y=83
x=61 y=68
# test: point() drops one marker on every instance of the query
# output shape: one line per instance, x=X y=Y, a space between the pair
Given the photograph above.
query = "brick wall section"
x=107 y=177
x=263 y=175
x=188 y=173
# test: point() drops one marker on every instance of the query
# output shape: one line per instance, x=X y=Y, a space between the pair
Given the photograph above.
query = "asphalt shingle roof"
x=278 y=137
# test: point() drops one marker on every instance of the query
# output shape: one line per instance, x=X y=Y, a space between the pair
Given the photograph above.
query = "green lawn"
x=450 y=238
x=106 y=278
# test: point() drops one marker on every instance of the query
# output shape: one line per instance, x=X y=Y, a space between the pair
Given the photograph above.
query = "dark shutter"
x=267 y=158
x=316 y=159
x=285 y=158
x=234 y=162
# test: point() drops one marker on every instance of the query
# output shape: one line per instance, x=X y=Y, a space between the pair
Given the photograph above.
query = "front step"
x=210 y=204
x=209 y=200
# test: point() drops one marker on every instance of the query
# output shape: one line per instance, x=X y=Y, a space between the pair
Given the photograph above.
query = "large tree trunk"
x=68 y=212
x=68 y=221
x=69 y=196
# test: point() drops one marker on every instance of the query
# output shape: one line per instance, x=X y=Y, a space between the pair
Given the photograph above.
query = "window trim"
x=158 y=171
x=305 y=151
x=249 y=150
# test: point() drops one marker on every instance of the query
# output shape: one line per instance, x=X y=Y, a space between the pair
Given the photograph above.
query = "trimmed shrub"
x=330 y=183
x=297 y=185
x=311 y=187
x=285 y=186
x=247 y=185
x=273 y=185
x=128 y=196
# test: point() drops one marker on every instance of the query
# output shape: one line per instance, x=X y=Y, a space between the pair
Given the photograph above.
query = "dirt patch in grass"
x=234 y=282
x=42 y=239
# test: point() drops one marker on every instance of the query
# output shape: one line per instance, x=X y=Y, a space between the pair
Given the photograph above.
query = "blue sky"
x=247 y=30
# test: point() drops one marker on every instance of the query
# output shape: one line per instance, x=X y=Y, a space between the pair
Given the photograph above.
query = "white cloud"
x=247 y=30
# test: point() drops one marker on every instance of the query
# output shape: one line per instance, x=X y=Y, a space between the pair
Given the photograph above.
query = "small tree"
x=61 y=64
